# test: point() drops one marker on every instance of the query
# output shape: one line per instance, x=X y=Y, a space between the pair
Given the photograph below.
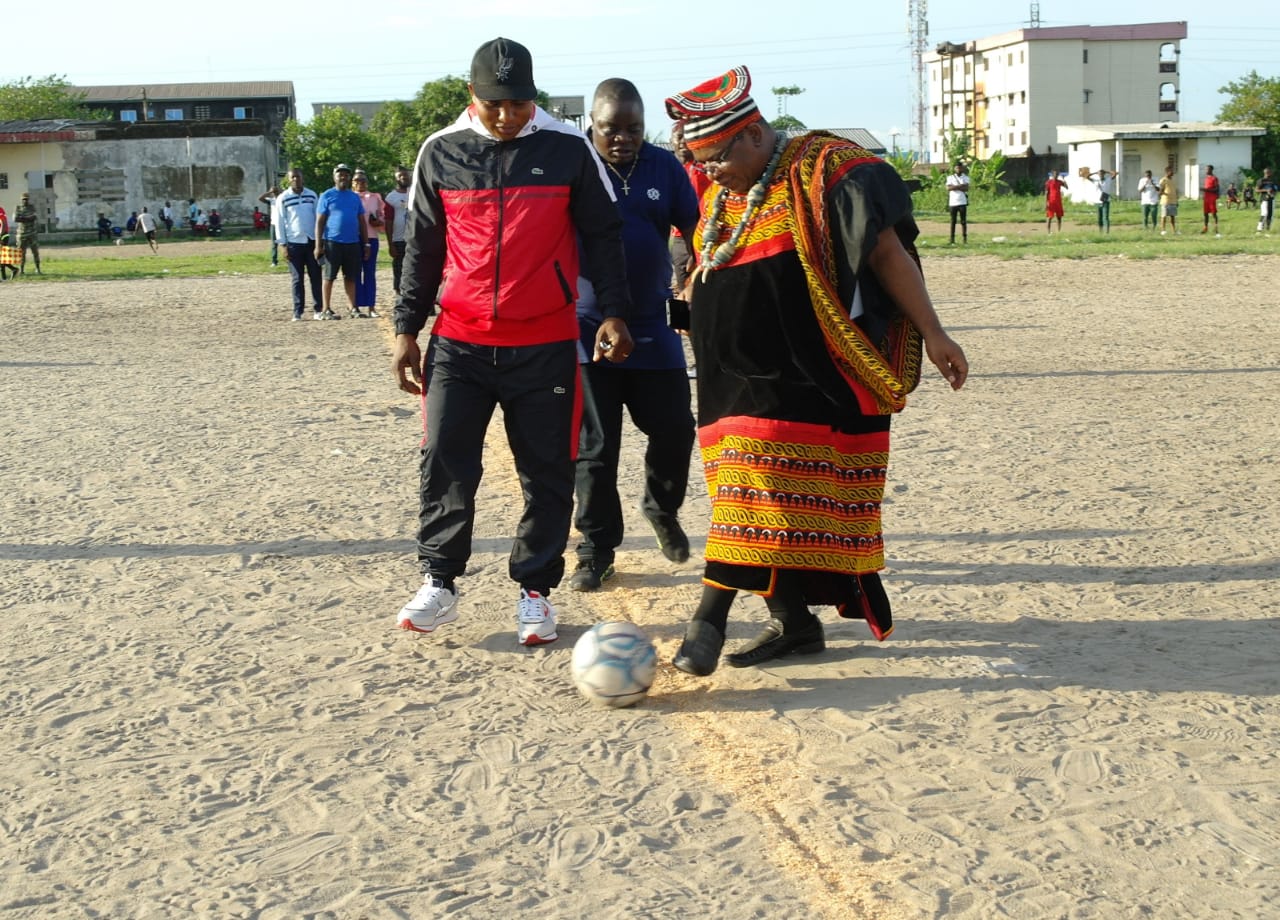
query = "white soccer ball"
x=613 y=664
x=119 y=242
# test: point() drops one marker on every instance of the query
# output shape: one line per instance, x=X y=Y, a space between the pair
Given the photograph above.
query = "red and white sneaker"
x=535 y=619
x=434 y=605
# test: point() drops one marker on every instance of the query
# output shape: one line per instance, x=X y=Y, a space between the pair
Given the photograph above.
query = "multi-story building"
x=1010 y=92
x=269 y=101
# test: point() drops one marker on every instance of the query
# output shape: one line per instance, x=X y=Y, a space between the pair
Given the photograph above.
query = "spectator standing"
x=342 y=236
x=681 y=263
x=367 y=284
x=1168 y=202
x=654 y=196
x=269 y=198
x=396 y=218
x=295 y=210
x=1209 y=191
x=958 y=200
x=194 y=215
x=1149 y=195
x=27 y=220
x=166 y=218
x=1053 y=187
x=1267 y=189
x=498 y=199
x=1105 y=183
x=147 y=227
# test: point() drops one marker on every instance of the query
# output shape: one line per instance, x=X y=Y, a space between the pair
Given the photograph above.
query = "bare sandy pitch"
x=206 y=533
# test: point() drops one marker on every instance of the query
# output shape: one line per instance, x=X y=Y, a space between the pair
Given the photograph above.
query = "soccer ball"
x=613 y=664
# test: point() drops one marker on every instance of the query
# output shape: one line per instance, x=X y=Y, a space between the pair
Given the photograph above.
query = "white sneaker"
x=434 y=605
x=373 y=314
x=535 y=619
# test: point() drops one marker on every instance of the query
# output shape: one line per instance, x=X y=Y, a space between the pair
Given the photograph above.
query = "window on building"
x=1087 y=94
x=1168 y=97
x=201 y=113
x=4 y=180
x=1022 y=57
x=1086 y=55
x=1010 y=138
x=1023 y=98
x=173 y=114
x=48 y=180
x=242 y=111
x=986 y=65
x=1024 y=138
x=128 y=114
x=1010 y=58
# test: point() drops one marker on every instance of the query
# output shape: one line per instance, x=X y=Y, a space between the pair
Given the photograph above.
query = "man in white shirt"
x=1149 y=195
x=296 y=218
x=396 y=216
x=147 y=225
x=1106 y=186
x=958 y=200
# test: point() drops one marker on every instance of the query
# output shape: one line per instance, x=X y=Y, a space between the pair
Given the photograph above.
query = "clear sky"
x=851 y=58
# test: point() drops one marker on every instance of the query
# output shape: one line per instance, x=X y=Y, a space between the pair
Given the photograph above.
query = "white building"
x=1010 y=92
x=1132 y=149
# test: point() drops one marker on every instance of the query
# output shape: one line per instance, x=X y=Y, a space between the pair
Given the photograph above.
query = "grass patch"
x=1014 y=228
x=134 y=260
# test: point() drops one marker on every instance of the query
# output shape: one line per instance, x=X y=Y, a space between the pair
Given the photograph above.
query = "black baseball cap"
x=502 y=69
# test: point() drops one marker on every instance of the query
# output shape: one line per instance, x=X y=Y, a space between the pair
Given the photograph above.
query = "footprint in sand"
x=1083 y=767
x=574 y=848
x=1242 y=840
x=291 y=857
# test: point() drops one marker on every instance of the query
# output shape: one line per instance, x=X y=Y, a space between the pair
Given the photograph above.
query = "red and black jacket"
x=493 y=230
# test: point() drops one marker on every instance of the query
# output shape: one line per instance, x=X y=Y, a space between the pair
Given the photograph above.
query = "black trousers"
x=658 y=401
x=536 y=386
x=303 y=266
x=397 y=264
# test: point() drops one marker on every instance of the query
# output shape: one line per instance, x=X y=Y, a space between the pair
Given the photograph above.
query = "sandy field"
x=207 y=711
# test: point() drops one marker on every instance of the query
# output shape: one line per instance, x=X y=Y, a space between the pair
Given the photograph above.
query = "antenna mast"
x=918 y=39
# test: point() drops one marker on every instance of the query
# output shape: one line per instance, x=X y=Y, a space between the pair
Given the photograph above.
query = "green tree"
x=336 y=136
x=401 y=127
x=31 y=99
x=955 y=145
x=787 y=122
x=1255 y=100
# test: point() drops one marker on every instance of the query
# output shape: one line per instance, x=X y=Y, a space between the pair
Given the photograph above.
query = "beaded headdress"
x=714 y=111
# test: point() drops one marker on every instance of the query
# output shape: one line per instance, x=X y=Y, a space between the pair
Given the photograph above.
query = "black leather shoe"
x=672 y=539
x=700 y=651
x=774 y=643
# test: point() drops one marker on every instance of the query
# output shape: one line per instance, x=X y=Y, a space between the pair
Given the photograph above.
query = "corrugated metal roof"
x=860 y=136
x=156 y=92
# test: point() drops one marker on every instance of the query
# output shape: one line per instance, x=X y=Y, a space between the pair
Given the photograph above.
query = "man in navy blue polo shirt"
x=654 y=195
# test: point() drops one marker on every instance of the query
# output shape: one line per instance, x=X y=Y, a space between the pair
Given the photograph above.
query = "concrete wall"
x=1188 y=156
x=119 y=176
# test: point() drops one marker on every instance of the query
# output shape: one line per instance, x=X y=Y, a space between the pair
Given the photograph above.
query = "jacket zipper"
x=497 y=260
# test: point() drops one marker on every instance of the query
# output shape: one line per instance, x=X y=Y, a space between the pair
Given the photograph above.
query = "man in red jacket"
x=499 y=201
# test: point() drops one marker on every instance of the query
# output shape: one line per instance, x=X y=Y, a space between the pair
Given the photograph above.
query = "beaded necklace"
x=626 y=189
x=713 y=256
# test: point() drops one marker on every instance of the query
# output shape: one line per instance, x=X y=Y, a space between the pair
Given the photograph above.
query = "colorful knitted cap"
x=714 y=111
